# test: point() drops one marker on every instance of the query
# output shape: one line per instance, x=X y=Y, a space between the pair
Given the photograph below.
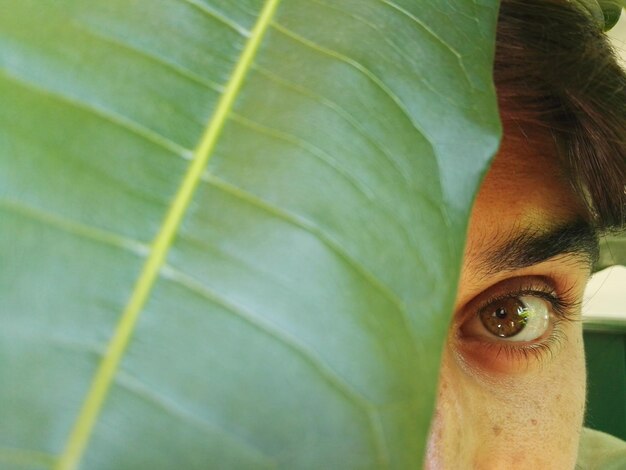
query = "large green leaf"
x=232 y=229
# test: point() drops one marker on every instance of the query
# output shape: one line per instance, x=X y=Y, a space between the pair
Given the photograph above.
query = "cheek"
x=522 y=420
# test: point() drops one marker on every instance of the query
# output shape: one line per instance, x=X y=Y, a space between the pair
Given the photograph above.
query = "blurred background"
x=604 y=314
x=606 y=293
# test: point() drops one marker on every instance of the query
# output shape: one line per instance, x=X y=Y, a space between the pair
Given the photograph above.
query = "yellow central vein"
x=101 y=383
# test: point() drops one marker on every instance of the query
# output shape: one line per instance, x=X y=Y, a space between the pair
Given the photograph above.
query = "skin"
x=513 y=408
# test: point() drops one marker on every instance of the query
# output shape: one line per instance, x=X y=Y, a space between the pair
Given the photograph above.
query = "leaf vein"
x=392 y=44
x=434 y=35
x=141 y=390
x=334 y=246
x=360 y=68
x=308 y=148
x=339 y=110
x=75 y=228
x=83 y=426
x=313 y=230
x=107 y=115
x=158 y=59
x=325 y=158
x=274 y=331
x=308 y=354
x=344 y=114
x=211 y=13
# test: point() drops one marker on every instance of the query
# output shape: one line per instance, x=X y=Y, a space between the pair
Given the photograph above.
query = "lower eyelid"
x=510 y=358
x=497 y=355
x=538 y=351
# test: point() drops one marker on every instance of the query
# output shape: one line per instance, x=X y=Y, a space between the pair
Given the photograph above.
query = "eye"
x=514 y=318
x=519 y=318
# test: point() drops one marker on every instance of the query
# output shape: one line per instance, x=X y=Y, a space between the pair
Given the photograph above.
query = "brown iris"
x=505 y=318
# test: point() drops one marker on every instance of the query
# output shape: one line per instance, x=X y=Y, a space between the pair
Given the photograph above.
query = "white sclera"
x=538 y=319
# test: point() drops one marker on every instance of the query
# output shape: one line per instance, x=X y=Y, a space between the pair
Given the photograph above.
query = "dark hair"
x=555 y=68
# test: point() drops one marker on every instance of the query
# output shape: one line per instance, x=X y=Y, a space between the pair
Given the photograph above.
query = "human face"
x=517 y=403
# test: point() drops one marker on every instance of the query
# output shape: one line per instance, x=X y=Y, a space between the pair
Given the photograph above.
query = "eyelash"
x=563 y=308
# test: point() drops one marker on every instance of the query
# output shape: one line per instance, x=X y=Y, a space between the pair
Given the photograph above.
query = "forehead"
x=525 y=190
x=525 y=187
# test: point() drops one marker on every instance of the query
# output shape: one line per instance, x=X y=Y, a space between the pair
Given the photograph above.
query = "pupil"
x=501 y=312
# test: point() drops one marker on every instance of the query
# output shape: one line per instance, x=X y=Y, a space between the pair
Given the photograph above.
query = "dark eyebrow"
x=533 y=245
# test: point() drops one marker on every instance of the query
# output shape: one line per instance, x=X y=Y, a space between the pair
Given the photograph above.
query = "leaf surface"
x=232 y=230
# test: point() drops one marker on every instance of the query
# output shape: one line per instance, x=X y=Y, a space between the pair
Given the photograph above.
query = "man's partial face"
x=512 y=381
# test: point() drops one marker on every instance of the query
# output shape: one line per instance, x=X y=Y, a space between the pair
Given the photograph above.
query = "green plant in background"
x=232 y=230
x=605 y=12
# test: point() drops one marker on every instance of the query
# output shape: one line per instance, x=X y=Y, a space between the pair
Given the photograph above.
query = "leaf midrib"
x=80 y=434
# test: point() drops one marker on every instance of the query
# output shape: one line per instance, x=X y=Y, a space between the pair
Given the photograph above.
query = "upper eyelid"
x=507 y=288
x=562 y=297
x=547 y=296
